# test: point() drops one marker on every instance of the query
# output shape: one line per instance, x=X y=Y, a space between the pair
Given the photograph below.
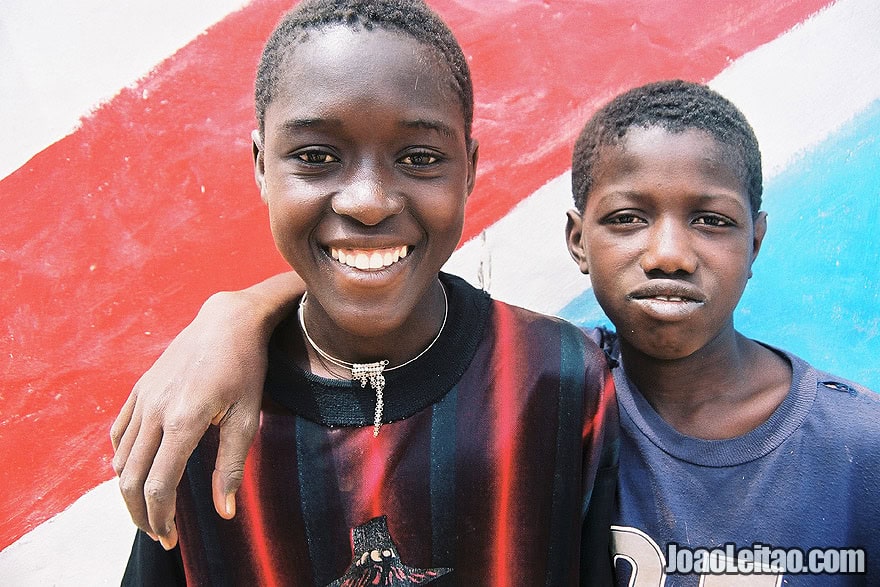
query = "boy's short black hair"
x=410 y=17
x=676 y=106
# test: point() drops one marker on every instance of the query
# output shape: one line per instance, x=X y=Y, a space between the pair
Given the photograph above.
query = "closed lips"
x=668 y=293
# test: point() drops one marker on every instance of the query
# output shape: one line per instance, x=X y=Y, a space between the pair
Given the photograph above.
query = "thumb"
x=237 y=432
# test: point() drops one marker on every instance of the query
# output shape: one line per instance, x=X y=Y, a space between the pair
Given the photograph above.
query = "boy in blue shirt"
x=726 y=443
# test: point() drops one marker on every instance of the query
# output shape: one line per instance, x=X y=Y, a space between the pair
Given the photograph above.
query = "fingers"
x=125 y=438
x=237 y=430
x=142 y=442
x=223 y=490
x=120 y=424
x=160 y=487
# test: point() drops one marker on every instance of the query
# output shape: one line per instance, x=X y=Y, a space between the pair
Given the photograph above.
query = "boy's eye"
x=624 y=218
x=419 y=159
x=713 y=220
x=315 y=157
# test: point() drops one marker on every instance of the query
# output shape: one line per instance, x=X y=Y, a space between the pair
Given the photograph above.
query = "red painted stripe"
x=113 y=236
x=107 y=236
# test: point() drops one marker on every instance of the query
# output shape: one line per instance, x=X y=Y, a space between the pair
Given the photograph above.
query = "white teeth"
x=369 y=259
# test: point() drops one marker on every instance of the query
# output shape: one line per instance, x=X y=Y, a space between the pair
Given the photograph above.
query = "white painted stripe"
x=795 y=90
x=87 y=544
x=523 y=259
x=59 y=60
x=806 y=84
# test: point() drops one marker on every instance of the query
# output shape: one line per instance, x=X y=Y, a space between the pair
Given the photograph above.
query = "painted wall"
x=127 y=197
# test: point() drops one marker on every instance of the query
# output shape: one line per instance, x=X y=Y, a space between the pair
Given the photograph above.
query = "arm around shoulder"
x=212 y=372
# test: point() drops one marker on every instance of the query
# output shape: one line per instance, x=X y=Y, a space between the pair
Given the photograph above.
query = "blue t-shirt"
x=799 y=492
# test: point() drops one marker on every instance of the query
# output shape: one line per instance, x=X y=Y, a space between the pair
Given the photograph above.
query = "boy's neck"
x=722 y=391
x=396 y=348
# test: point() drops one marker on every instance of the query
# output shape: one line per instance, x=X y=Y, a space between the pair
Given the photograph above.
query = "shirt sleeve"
x=600 y=453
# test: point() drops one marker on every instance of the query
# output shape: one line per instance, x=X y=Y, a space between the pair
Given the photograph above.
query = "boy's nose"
x=668 y=249
x=367 y=200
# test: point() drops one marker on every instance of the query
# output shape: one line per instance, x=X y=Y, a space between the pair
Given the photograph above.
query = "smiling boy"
x=413 y=429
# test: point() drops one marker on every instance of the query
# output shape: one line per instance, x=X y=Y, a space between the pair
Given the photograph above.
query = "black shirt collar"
x=409 y=389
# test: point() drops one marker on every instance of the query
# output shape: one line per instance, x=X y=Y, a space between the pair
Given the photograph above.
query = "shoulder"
x=503 y=315
x=850 y=400
x=843 y=410
x=527 y=336
x=536 y=329
x=851 y=389
x=551 y=344
x=831 y=388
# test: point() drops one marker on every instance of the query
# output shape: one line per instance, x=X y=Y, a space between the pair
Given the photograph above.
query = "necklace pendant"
x=372 y=373
x=369 y=373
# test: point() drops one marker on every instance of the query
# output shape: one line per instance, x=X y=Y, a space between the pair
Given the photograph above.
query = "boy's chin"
x=662 y=350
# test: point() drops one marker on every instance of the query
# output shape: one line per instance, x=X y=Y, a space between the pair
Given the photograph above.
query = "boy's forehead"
x=656 y=155
x=680 y=148
x=355 y=56
x=339 y=72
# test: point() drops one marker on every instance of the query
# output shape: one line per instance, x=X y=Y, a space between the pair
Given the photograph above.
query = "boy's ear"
x=758 y=237
x=574 y=232
x=473 y=157
x=259 y=163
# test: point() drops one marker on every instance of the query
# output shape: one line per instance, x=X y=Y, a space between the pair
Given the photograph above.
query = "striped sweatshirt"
x=489 y=469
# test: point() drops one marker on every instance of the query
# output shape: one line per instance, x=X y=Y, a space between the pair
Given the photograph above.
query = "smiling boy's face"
x=366 y=169
x=668 y=239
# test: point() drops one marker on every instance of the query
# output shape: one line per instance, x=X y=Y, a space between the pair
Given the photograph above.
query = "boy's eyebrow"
x=721 y=195
x=300 y=123
x=296 y=124
x=733 y=198
x=442 y=128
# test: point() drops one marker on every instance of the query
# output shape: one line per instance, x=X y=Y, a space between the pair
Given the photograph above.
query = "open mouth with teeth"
x=370 y=259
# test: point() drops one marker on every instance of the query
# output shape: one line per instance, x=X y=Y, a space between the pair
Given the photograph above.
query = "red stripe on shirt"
x=505 y=367
x=250 y=494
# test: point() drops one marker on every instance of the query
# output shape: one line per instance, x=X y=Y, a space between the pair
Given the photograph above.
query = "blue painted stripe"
x=816 y=289
x=816 y=284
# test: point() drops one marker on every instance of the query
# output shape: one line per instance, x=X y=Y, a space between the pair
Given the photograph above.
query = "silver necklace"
x=371 y=373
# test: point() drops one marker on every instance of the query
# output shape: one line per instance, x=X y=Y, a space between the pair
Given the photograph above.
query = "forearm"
x=265 y=304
